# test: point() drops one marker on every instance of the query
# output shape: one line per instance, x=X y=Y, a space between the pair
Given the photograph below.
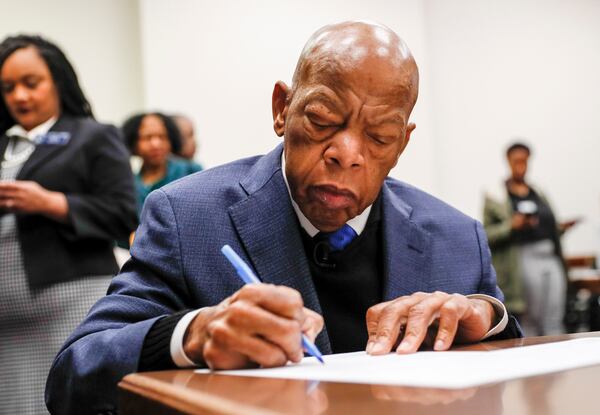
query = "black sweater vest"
x=345 y=293
x=348 y=282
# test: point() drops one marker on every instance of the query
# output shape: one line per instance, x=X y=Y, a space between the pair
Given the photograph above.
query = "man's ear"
x=280 y=106
x=409 y=129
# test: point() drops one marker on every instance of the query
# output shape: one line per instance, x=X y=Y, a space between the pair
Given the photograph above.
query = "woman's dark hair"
x=72 y=99
x=131 y=129
x=518 y=146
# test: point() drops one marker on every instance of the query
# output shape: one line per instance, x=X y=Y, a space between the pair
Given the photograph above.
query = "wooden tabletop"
x=591 y=284
x=183 y=391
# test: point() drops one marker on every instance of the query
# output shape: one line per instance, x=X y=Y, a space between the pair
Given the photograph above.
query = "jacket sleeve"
x=497 y=225
x=108 y=209
x=108 y=344
x=488 y=285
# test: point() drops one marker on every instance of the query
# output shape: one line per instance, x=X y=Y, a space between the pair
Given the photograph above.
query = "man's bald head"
x=359 y=46
x=345 y=121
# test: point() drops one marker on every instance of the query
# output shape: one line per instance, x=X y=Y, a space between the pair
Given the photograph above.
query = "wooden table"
x=591 y=284
x=183 y=391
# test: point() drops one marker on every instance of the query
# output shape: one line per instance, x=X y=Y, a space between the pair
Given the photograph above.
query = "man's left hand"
x=413 y=319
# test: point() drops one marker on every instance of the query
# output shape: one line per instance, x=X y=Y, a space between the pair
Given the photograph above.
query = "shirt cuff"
x=499 y=310
x=176 y=346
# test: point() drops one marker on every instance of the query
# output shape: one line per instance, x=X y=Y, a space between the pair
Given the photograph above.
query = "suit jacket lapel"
x=269 y=231
x=406 y=249
x=43 y=152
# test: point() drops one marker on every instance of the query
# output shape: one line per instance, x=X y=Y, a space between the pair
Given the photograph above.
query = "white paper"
x=451 y=370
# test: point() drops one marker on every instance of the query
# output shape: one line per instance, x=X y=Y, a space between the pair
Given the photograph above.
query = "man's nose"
x=346 y=150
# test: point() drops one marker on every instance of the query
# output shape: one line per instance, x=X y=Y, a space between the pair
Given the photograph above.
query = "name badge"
x=54 y=138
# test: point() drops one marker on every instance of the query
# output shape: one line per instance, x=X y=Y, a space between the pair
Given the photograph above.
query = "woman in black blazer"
x=66 y=194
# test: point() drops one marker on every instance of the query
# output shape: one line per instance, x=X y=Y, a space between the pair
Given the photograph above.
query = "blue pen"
x=246 y=274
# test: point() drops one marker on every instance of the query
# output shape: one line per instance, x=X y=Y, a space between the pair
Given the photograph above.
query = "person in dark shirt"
x=525 y=241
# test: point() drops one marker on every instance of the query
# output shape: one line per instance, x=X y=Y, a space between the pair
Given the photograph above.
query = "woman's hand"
x=22 y=196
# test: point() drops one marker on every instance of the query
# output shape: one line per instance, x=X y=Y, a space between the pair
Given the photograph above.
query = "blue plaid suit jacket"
x=177 y=264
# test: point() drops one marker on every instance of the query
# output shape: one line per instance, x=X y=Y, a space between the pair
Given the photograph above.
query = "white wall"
x=518 y=68
x=218 y=62
x=490 y=71
x=100 y=38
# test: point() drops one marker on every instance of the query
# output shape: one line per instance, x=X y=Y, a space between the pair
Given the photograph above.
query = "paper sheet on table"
x=452 y=370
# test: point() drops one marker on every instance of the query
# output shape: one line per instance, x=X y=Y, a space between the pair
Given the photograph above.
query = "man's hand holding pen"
x=261 y=324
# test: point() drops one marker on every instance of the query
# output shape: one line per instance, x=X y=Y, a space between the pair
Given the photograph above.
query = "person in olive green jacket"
x=526 y=252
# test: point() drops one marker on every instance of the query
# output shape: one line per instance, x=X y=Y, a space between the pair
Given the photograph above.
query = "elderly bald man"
x=347 y=255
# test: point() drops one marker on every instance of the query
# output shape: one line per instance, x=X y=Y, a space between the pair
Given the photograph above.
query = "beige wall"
x=100 y=37
x=490 y=71
x=218 y=62
x=519 y=68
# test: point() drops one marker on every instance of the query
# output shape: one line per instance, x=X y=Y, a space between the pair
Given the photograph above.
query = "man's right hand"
x=259 y=324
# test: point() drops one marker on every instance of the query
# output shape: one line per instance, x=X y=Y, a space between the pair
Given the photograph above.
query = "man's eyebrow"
x=322 y=97
x=393 y=117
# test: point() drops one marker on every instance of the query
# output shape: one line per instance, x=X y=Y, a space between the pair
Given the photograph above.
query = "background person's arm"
x=497 y=222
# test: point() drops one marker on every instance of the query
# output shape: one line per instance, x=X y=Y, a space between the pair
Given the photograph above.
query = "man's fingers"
x=419 y=318
x=389 y=324
x=385 y=321
x=313 y=324
x=223 y=338
x=280 y=300
x=218 y=358
x=372 y=317
x=9 y=194
x=246 y=318
x=262 y=323
x=440 y=316
x=476 y=320
x=450 y=314
x=7 y=186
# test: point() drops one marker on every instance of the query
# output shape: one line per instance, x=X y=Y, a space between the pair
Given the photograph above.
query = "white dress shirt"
x=31 y=135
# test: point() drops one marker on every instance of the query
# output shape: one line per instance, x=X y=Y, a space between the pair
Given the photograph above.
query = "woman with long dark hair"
x=66 y=194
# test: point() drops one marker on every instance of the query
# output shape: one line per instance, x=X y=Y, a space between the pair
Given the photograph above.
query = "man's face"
x=344 y=130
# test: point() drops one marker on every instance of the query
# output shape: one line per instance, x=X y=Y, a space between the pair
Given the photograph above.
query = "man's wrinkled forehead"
x=336 y=54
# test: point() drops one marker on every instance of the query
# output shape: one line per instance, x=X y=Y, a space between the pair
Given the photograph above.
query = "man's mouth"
x=332 y=197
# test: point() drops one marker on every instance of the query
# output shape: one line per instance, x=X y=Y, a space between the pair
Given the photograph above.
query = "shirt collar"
x=18 y=131
x=357 y=223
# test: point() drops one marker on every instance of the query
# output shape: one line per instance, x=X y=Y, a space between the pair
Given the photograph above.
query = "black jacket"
x=93 y=171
